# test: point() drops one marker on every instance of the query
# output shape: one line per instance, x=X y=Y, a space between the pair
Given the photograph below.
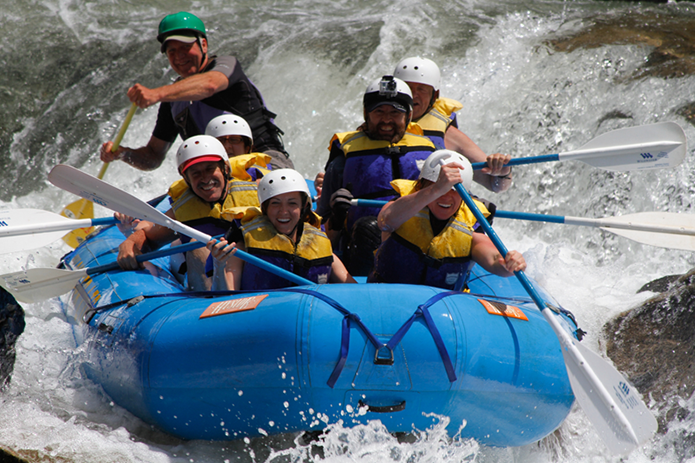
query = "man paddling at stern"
x=437 y=118
x=208 y=86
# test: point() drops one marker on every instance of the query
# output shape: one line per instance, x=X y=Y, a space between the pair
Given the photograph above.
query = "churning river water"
x=66 y=65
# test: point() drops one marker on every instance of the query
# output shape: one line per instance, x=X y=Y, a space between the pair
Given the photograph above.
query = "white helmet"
x=200 y=148
x=228 y=124
x=388 y=90
x=420 y=70
x=281 y=181
x=433 y=164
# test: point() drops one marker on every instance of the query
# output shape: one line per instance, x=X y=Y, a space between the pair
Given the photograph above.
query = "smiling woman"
x=429 y=237
x=284 y=231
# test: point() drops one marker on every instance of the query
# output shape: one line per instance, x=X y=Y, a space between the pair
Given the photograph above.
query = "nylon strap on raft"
x=349 y=317
x=422 y=311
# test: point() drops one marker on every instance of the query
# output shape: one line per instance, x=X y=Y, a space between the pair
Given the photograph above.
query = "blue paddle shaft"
x=268 y=267
x=521 y=276
x=498 y=213
x=149 y=256
x=246 y=257
x=522 y=161
x=530 y=216
x=104 y=221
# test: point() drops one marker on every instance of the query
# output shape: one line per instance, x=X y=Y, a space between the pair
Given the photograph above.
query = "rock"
x=669 y=40
x=654 y=345
x=8 y=456
x=11 y=326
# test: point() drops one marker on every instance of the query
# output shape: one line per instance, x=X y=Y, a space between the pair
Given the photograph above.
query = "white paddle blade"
x=645 y=147
x=99 y=192
x=40 y=284
x=610 y=425
x=28 y=241
x=23 y=229
x=664 y=229
x=662 y=240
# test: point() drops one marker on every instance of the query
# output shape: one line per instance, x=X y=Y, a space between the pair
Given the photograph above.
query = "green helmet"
x=181 y=24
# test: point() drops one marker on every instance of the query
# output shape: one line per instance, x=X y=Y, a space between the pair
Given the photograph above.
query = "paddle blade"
x=81 y=209
x=40 y=284
x=23 y=229
x=75 y=181
x=645 y=147
x=626 y=398
x=663 y=229
x=84 y=209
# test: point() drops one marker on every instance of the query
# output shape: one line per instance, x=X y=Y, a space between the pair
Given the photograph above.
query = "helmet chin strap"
x=433 y=99
x=302 y=218
x=204 y=54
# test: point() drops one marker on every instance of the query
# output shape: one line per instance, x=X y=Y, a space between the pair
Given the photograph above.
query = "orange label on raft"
x=232 y=305
x=498 y=308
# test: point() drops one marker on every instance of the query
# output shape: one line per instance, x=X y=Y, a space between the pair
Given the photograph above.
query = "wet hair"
x=421 y=183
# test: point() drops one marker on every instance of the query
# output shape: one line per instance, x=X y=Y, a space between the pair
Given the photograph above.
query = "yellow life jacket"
x=414 y=255
x=437 y=120
x=188 y=207
x=452 y=242
x=259 y=233
x=310 y=258
x=242 y=163
x=370 y=165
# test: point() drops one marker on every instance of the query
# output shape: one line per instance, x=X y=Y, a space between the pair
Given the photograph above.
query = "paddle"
x=613 y=406
x=22 y=229
x=38 y=284
x=91 y=188
x=83 y=209
x=643 y=147
x=663 y=229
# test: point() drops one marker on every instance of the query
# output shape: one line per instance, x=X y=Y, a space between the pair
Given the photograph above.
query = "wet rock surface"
x=11 y=326
x=653 y=345
x=668 y=38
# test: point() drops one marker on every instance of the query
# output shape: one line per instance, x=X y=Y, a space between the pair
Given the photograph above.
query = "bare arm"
x=193 y=88
x=227 y=268
x=490 y=177
x=484 y=252
x=396 y=213
x=339 y=273
x=148 y=157
x=145 y=232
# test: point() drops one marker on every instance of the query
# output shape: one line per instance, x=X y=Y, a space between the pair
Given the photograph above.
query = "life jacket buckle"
x=381 y=360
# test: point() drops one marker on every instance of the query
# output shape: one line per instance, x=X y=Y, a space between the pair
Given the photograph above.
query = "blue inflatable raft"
x=222 y=366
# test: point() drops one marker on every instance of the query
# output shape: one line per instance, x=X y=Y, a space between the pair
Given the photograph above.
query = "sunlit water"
x=67 y=67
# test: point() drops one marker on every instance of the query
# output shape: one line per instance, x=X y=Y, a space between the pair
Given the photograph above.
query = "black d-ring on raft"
x=399 y=407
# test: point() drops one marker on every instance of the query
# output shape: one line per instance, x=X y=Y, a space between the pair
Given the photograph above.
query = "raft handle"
x=399 y=407
x=106 y=328
x=383 y=360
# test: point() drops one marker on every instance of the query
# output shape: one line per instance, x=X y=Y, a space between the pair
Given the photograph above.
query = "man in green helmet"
x=208 y=86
